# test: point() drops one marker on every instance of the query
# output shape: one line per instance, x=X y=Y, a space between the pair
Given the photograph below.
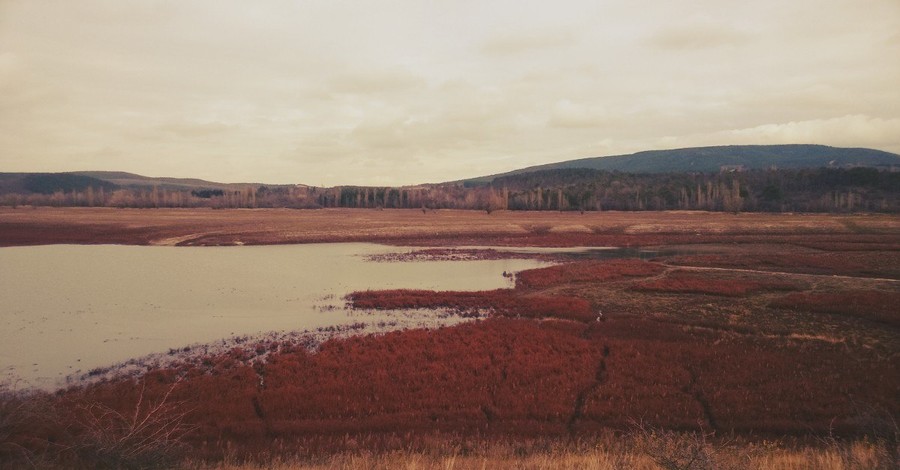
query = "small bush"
x=696 y=450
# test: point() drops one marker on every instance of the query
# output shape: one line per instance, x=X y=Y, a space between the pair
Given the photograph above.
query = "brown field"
x=32 y=226
x=765 y=327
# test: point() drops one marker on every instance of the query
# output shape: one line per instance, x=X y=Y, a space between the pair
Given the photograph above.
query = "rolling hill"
x=49 y=183
x=713 y=159
x=121 y=178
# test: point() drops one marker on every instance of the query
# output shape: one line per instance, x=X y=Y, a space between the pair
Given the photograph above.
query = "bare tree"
x=149 y=436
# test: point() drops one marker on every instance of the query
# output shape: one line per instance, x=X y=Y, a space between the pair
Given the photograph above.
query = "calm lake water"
x=67 y=309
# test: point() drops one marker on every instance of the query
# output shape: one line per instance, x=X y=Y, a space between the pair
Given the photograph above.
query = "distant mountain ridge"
x=48 y=183
x=686 y=160
x=713 y=159
x=121 y=178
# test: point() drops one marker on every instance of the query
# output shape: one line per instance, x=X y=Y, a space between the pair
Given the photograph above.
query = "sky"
x=398 y=92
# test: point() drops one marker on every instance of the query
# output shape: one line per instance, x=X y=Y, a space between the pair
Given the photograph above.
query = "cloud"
x=567 y=114
x=374 y=81
x=193 y=130
x=893 y=40
x=854 y=130
x=517 y=43
x=698 y=36
x=410 y=91
x=851 y=130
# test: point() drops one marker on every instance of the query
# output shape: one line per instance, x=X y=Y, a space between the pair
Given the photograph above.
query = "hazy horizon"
x=399 y=92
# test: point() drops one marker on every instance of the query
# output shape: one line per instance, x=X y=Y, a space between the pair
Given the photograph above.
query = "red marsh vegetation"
x=684 y=282
x=516 y=377
x=875 y=305
x=728 y=352
x=502 y=302
x=586 y=272
x=849 y=263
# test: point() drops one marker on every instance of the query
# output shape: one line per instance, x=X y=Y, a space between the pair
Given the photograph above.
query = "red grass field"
x=875 y=305
x=499 y=302
x=586 y=272
x=538 y=375
x=683 y=282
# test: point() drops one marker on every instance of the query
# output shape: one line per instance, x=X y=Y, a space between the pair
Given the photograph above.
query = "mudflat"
x=37 y=226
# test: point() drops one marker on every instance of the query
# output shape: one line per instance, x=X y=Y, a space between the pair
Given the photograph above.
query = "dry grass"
x=400 y=460
x=607 y=453
x=29 y=226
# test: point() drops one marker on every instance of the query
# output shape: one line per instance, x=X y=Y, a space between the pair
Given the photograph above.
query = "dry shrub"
x=31 y=433
x=16 y=420
x=149 y=435
x=540 y=229
x=697 y=450
x=676 y=450
x=880 y=447
x=880 y=306
x=75 y=430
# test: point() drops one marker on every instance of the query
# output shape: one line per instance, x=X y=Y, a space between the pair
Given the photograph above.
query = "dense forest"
x=781 y=190
x=807 y=190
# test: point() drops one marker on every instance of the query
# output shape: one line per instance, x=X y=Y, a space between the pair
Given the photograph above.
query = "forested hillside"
x=815 y=190
x=803 y=190
x=715 y=159
x=770 y=178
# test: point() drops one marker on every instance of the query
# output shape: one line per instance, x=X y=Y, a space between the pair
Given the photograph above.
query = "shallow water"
x=577 y=252
x=67 y=309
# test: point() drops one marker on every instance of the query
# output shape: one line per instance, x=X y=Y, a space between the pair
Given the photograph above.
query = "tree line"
x=784 y=190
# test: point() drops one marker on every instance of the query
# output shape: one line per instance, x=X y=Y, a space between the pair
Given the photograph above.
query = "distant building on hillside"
x=731 y=168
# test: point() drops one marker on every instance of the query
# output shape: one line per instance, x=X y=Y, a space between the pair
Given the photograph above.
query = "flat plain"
x=30 y=226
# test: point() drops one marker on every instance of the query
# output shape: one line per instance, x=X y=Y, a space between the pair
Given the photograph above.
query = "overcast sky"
x=395 y=92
